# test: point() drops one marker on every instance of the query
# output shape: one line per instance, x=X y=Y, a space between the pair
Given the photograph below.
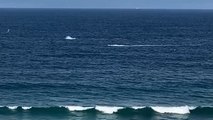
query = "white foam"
x=114 y=109
x=26 y=108
x=118 y=45
x=69 y=38
x=138 y=107
x=77 y=108
x=174 y=110
x=108 y=109
x=12 y=107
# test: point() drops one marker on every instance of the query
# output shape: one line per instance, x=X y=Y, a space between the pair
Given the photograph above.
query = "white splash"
x=108 y=109
x=12 y=107
x=26 y=108
x=174 y=110
x=77 y=108
x=137 y=107
x=69 y=38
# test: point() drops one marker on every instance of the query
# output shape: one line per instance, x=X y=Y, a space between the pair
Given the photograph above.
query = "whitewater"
x=113 y=109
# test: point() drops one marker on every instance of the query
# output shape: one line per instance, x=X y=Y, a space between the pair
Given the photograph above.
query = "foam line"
x=115 y=109
x=137 y=107
x=147 y=45
x=77 y=108
x=175 y=110
x=118 y=45
x=108 y=109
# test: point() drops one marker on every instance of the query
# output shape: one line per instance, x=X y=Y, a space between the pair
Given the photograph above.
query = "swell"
x=122 y=111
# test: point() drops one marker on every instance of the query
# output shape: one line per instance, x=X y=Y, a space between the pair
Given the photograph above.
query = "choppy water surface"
x=106 y=64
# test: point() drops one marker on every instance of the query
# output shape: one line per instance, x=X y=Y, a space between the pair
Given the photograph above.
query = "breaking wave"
x=69 y=38
x=109 y=110
x=119 y=45
x=147 y=45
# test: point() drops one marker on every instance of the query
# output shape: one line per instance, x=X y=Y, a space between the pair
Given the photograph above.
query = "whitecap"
x=70 y=38
x=26 y=108
x=12 y=107
x=108 y=109
x=77 y=108
x=137 y=107
x=120 y=45
x=116 y=45
x=174 y=110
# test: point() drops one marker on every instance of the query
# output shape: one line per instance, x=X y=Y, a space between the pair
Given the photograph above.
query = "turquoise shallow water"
x=122 y=59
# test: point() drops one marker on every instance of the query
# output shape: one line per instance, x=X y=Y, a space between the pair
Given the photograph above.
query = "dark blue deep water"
x=122 y=64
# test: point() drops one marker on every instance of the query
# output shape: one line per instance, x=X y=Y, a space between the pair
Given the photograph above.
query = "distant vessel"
x=70 y=38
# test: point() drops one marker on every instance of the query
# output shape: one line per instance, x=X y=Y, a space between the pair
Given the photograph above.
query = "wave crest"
x=112 y=110
x=175 y=110
x=119 y=45
x=69 y=38
x=108 y=109
x=77 y=108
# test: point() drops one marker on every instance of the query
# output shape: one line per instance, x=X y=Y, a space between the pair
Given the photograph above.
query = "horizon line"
x=110 y=8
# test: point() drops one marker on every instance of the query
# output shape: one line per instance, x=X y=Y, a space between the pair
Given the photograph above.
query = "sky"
x=143 y=4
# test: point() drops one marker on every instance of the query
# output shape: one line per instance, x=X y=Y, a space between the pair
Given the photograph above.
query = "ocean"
x=106 y=64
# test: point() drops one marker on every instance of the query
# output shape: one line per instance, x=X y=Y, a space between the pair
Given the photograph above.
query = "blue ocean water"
x=115 y=64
